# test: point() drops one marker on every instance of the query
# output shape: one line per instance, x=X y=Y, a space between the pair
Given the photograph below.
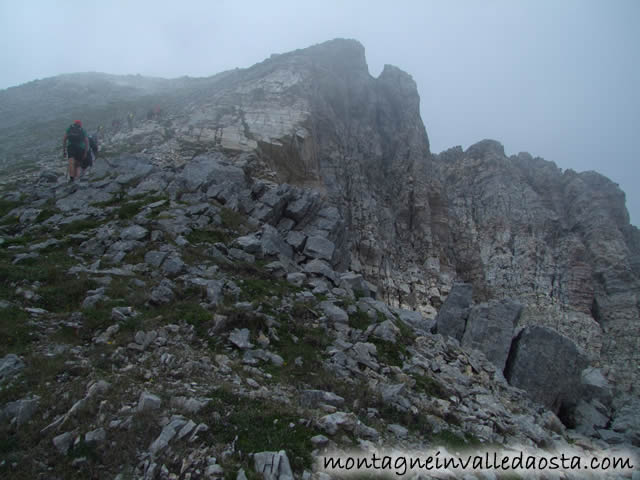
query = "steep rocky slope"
x=164 y=322
x=197 y=245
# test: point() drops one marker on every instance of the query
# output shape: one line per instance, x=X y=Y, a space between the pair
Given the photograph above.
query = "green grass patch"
x=257 y=289
x=135 y=256
x=67 y=335
x=407 y=335
x=132 y=324
x=62 y=292
x=79 y=226
x=116 y=200
x=127 y=208
x=10 y=221
x=187 y=309
x=193 y=314
x=16 y=335
x=120 y=293
x=41 y=369
x=362 y=397
x=46 y=214
x=130 y=210
x=38 y=371
x=121 y=288
x=19 y=241
x=208 y=236
x=359 y=320
x=416 y=423
x=259 y=425
x=431 y=387
x=7 y=205
x=509 y=476
x=389 y=352
x=302 y=342
x=394 y=353
x=256 y=284
x=454 y=441
x=242 y=319
x=96 y=318
x=232 y=219
x=84 y=449
x=49 y=269
x=149 y=198
x=9 y=443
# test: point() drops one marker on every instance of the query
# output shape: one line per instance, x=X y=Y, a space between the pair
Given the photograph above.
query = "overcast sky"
x=557 y=78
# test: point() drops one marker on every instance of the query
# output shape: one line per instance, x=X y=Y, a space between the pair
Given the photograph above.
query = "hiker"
x=115 y=125
x=93 y=152
x=130 y=120
x=75 y=146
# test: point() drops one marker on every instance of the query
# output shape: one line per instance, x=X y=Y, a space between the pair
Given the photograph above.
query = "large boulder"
x=319 y=247
x=10 y=365
x=596 y=386
x=334 y=313
x=273 y=465
x=299 y=208
x=355 y=283
x=415 y=320
x=314 y=398
x=626 y=420
x=321 y=268
x=272 y=244
x=19 y=412
x=81 y=198
x=490 y=329
x=588 y=417
x=547 y=365
x=133 y=167
x=452 y=317
x=210 y=168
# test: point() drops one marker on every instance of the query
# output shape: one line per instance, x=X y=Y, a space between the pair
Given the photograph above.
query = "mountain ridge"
x=309 y=163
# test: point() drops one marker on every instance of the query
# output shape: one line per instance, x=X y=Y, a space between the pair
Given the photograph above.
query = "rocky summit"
x=269 y=264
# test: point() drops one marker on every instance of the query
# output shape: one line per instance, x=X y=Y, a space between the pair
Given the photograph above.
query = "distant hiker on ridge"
x=130 y=120
x=75 y=146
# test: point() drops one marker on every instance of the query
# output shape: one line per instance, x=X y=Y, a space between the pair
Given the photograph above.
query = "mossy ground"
x=255 y=424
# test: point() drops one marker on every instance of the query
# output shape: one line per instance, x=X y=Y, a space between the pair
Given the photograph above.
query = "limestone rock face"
x=316 y=117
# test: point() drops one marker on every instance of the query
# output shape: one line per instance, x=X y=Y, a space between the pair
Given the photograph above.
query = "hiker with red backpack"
x=75 y=146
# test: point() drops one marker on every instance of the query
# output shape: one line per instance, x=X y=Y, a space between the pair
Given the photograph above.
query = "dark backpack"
x=93 y=143
x=75 y=135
